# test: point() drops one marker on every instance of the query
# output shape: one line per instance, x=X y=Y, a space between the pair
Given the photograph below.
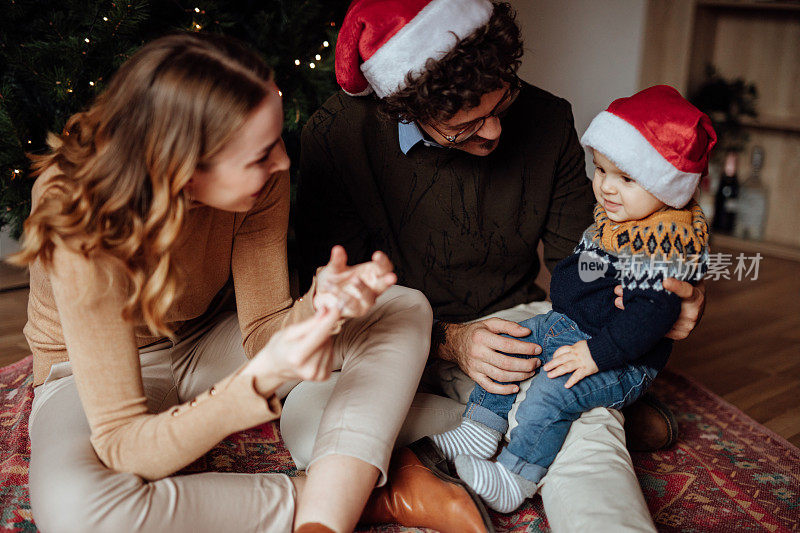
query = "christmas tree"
x=56 y=56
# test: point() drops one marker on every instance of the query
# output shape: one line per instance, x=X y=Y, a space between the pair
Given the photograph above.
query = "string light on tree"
x=119 y=27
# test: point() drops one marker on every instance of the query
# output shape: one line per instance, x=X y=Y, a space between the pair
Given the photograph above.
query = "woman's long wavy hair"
x=122 y=166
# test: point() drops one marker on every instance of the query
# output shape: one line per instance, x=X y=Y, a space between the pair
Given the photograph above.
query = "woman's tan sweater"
x=75 y=314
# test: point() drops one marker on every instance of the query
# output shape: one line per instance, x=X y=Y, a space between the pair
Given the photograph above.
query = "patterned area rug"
x=727 y=473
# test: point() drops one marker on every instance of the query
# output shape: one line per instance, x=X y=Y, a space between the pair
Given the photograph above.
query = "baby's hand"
x=576 y=359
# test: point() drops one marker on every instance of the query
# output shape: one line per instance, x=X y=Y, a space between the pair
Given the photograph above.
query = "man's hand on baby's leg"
x=576 y=359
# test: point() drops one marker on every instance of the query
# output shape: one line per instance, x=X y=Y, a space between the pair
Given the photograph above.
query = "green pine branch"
x=48 y=70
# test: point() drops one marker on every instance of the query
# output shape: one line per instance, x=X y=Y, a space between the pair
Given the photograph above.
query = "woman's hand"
x=300 y=351
x=352 y=290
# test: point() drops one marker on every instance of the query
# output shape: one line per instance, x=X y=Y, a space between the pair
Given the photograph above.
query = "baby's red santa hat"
x=381 y=41
x=659 y=139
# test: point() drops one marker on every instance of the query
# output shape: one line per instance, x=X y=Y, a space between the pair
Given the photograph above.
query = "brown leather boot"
x=420 y=493
x=649 y=425
x=313 y=527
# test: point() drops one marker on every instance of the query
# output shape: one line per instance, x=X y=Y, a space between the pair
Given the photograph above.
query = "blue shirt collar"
x=409 y=135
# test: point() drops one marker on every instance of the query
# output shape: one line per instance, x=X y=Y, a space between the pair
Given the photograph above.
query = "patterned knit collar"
x=664 y=233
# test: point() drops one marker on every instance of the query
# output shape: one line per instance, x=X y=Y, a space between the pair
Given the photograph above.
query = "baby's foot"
x=501 y=489
x=470 y=438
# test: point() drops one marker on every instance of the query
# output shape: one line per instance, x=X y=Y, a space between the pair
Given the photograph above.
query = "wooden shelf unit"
x=754 y=40
x=785 y=124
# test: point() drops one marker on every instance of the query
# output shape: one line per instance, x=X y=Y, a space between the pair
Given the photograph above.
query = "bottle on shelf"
x=751 y=216
x=725 y=202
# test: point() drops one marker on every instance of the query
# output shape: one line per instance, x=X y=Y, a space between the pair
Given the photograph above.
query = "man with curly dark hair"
x=420 y=171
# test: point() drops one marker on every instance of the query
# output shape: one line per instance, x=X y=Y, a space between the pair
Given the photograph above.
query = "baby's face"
x=622 y=198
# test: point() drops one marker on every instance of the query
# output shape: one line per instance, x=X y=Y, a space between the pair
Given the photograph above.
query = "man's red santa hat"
x=381 y=41
x=659 y=139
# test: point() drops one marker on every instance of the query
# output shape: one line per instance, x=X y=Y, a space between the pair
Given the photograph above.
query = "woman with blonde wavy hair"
x=172 y=182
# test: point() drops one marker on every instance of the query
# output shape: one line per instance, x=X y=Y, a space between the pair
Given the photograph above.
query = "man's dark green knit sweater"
x=462 y=229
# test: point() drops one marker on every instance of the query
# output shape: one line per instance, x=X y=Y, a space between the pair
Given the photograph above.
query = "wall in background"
x=586 y=51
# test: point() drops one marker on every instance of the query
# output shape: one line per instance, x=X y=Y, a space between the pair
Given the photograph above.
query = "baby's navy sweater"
x=639 y=255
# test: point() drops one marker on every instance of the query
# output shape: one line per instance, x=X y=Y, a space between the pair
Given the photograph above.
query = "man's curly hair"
x=479 y=64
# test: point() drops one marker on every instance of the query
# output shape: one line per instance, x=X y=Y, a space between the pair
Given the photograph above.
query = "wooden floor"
x=746 y=349
x=13 y=313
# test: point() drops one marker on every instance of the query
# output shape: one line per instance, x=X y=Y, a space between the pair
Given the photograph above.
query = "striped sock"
x=501 y=489
x=470 y=438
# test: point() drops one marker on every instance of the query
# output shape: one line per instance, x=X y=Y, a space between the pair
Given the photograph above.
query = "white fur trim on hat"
x=429 y=35
x=622 y=143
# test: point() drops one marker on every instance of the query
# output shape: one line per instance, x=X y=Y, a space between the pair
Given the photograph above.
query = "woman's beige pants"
x=591 y=485
x=381 y=357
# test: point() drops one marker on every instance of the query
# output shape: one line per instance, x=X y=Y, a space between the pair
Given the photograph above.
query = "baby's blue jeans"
x=548 y=410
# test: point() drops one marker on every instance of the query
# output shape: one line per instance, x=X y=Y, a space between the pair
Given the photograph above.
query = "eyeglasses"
x=467 y=132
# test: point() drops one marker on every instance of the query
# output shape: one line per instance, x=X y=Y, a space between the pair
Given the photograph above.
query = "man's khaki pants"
x=381 y=356
x=590 y=486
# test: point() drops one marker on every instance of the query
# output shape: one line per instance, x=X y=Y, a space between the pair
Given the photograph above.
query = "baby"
x=650 y=151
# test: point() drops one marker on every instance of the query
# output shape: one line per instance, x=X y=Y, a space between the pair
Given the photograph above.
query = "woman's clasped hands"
x=304 y=350
x=352 y=289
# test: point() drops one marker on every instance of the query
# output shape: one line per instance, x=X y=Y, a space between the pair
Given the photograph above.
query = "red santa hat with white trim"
x=659 y=139
x=381 y=41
